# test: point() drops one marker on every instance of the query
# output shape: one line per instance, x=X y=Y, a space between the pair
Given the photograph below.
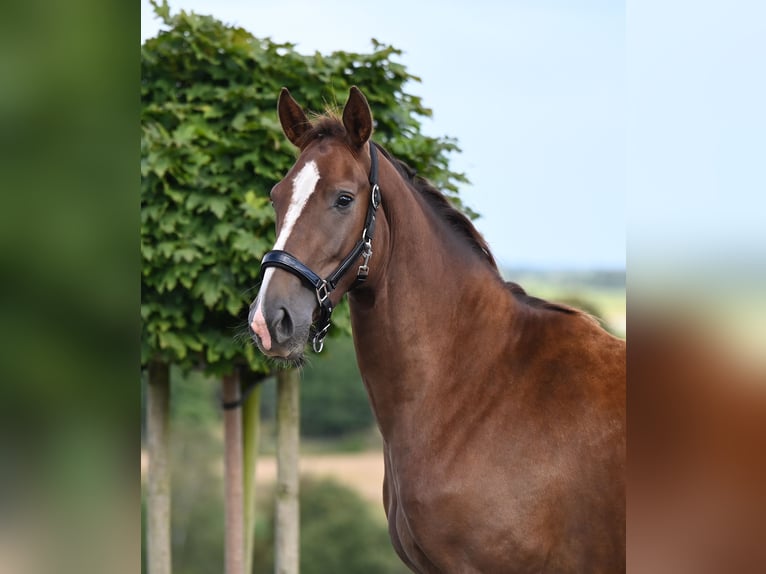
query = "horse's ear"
x=357 y=118
x=294 y=121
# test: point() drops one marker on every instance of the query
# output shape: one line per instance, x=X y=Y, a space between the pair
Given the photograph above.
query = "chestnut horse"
x=502 y=415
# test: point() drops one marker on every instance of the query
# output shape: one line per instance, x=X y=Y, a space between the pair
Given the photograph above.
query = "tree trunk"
x=251 y=435
x=158 y=555
x=234 y=552
x=287 y=515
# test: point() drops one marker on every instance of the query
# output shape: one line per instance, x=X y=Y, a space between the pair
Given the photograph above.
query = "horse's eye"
x=344 y=200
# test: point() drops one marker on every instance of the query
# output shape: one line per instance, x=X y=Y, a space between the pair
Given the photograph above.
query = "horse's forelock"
x=325 y=126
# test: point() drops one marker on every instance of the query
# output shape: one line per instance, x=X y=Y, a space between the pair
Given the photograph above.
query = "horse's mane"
x=441 y=205
x=329 y=126
x=521 y=295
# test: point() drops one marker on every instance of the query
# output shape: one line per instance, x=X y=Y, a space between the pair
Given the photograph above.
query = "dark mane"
x=521 y=295
x=441 y=205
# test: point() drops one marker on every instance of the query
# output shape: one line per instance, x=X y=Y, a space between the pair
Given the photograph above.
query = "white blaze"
x=304 y=185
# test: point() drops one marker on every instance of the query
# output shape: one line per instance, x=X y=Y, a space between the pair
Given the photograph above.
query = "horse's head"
x=325 y=220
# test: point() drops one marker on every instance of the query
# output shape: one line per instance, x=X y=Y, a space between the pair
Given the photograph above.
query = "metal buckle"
x=375 y=199
x=323 y=292
x=364 y=268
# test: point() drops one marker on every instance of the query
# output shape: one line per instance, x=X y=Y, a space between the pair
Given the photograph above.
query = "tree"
x=212 y=149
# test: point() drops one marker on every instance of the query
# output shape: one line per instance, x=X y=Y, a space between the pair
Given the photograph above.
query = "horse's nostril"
x=283 y=325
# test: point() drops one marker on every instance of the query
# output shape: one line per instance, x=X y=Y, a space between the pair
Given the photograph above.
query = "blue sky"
x=567 y=112
x=696 y=126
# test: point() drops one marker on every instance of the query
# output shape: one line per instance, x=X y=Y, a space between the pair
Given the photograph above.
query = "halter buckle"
x=375 y=199
x=364 y=268
x=323 y=292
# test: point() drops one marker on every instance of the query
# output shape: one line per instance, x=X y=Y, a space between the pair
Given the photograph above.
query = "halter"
x=323 y=287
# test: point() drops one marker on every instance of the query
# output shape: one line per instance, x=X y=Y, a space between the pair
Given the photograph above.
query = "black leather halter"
x=323 y=287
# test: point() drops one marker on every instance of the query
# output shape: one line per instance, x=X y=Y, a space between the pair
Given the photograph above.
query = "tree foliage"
x=212 y=148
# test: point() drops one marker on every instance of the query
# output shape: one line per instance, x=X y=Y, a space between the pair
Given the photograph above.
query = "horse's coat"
x=502 y=416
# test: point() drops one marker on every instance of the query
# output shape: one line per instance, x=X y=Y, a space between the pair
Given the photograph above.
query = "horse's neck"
x=426 y=308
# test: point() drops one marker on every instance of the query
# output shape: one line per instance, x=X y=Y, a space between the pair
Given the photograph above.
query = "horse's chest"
x=408 y=525
x=430 y=525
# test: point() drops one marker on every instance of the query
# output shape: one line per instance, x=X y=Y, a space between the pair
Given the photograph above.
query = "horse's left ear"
x=357 y=118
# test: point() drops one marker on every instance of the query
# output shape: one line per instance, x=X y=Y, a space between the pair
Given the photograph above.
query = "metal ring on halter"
x=317 y=343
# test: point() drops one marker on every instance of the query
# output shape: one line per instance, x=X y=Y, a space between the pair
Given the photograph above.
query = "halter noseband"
x=323 y=287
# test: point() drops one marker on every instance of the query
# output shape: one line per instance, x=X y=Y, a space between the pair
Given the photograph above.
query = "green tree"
x=212 y=148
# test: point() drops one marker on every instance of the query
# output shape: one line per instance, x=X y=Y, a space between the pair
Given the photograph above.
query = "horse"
x=502 y=415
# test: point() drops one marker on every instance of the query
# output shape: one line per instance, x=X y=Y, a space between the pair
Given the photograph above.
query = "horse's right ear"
x=357 y=118
x=294 y=121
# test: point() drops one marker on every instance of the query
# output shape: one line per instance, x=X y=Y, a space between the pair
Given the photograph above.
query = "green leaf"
x=222 y=230
x=233 y=306
x=173 y=342
x=208 y=287
x=218 y=205
x=250 y=243
x=185 y=254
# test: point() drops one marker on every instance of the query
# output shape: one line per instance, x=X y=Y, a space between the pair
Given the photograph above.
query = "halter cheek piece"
x=323 y=287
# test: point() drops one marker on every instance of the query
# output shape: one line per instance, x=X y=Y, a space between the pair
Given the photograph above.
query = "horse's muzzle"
x=278 y=328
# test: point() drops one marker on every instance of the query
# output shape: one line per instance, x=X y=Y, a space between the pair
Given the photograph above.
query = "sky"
x=567 y=112
x=696 y=132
